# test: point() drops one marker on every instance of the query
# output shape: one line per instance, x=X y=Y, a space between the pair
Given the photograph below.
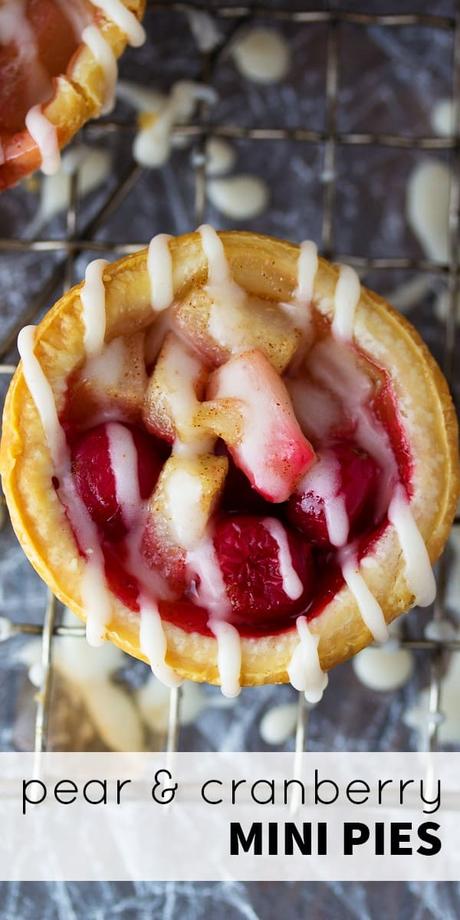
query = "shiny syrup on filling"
x=246 y=528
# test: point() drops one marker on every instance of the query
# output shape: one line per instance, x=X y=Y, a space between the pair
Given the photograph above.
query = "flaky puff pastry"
x=77 y=95
x=267 y=269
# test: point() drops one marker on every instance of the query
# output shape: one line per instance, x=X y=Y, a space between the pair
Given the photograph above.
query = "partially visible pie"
x=58 y=67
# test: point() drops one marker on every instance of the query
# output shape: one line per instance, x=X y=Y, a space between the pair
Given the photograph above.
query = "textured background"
x=390 y=80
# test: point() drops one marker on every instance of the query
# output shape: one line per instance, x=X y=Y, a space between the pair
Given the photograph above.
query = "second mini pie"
x=58 y=68
x=230 y=459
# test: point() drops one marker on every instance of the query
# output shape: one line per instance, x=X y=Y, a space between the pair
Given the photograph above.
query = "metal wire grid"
x=72 y=244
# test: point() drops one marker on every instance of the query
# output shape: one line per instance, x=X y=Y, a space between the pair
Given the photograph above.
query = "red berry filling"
x=95 y=480
x=358 y=475
x=249 y=558
x=121 y=582
x=259 y=563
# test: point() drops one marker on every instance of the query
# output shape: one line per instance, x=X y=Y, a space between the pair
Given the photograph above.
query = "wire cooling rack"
x=72 y=244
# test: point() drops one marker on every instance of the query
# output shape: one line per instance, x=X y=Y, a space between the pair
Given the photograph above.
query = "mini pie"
x=57 y=69
x=230 y=459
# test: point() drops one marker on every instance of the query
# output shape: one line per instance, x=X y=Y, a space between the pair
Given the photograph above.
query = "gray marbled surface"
x=390 y=80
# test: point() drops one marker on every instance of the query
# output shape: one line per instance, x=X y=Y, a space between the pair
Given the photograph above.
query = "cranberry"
x=95 y=480
x=358 y=475
x=249 y=559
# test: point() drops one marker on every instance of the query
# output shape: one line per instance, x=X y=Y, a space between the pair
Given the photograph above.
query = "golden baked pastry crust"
x=77 y=96
x=266 y=268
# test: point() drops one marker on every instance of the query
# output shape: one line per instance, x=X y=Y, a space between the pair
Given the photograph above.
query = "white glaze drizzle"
x=298 y=309
x=105 y=57
x=92 y=296
x=106 y=368
x=218 y=270
x=443 y=118
x=179 y=374
x=160 y=272
x=94 y=591
x=304 y=670
x=346 y=299
x=427 y=206
x=333 y=364
x=220 y=157
x=150 y=582
x=384 y=668
x=204 y=29
x=337 y=522
x=154 y=140
x=374 y=439
x=227 y=314
x=369 y=608
x=183 y=494
x=124 y=463
x=240 y=197
x=221 y=286
x=292 y=585
x=210 y=593
x=43 y=397
x=123 y=460
x=261 y=54
x=307 y=267
x=183 y=499
x=15 y=27
x=126 y=21
x=419 y=573
x=95 y=595
x=89 y=673
x=92 y=166
x=183 y=490
x=228 y=656
x=226 y=323
x=183 y=370
x=153 y=643
x=278 y=723
x=44 y=133
x=323 y=480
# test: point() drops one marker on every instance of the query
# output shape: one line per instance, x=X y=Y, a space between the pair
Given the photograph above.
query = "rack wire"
x=199 y=131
